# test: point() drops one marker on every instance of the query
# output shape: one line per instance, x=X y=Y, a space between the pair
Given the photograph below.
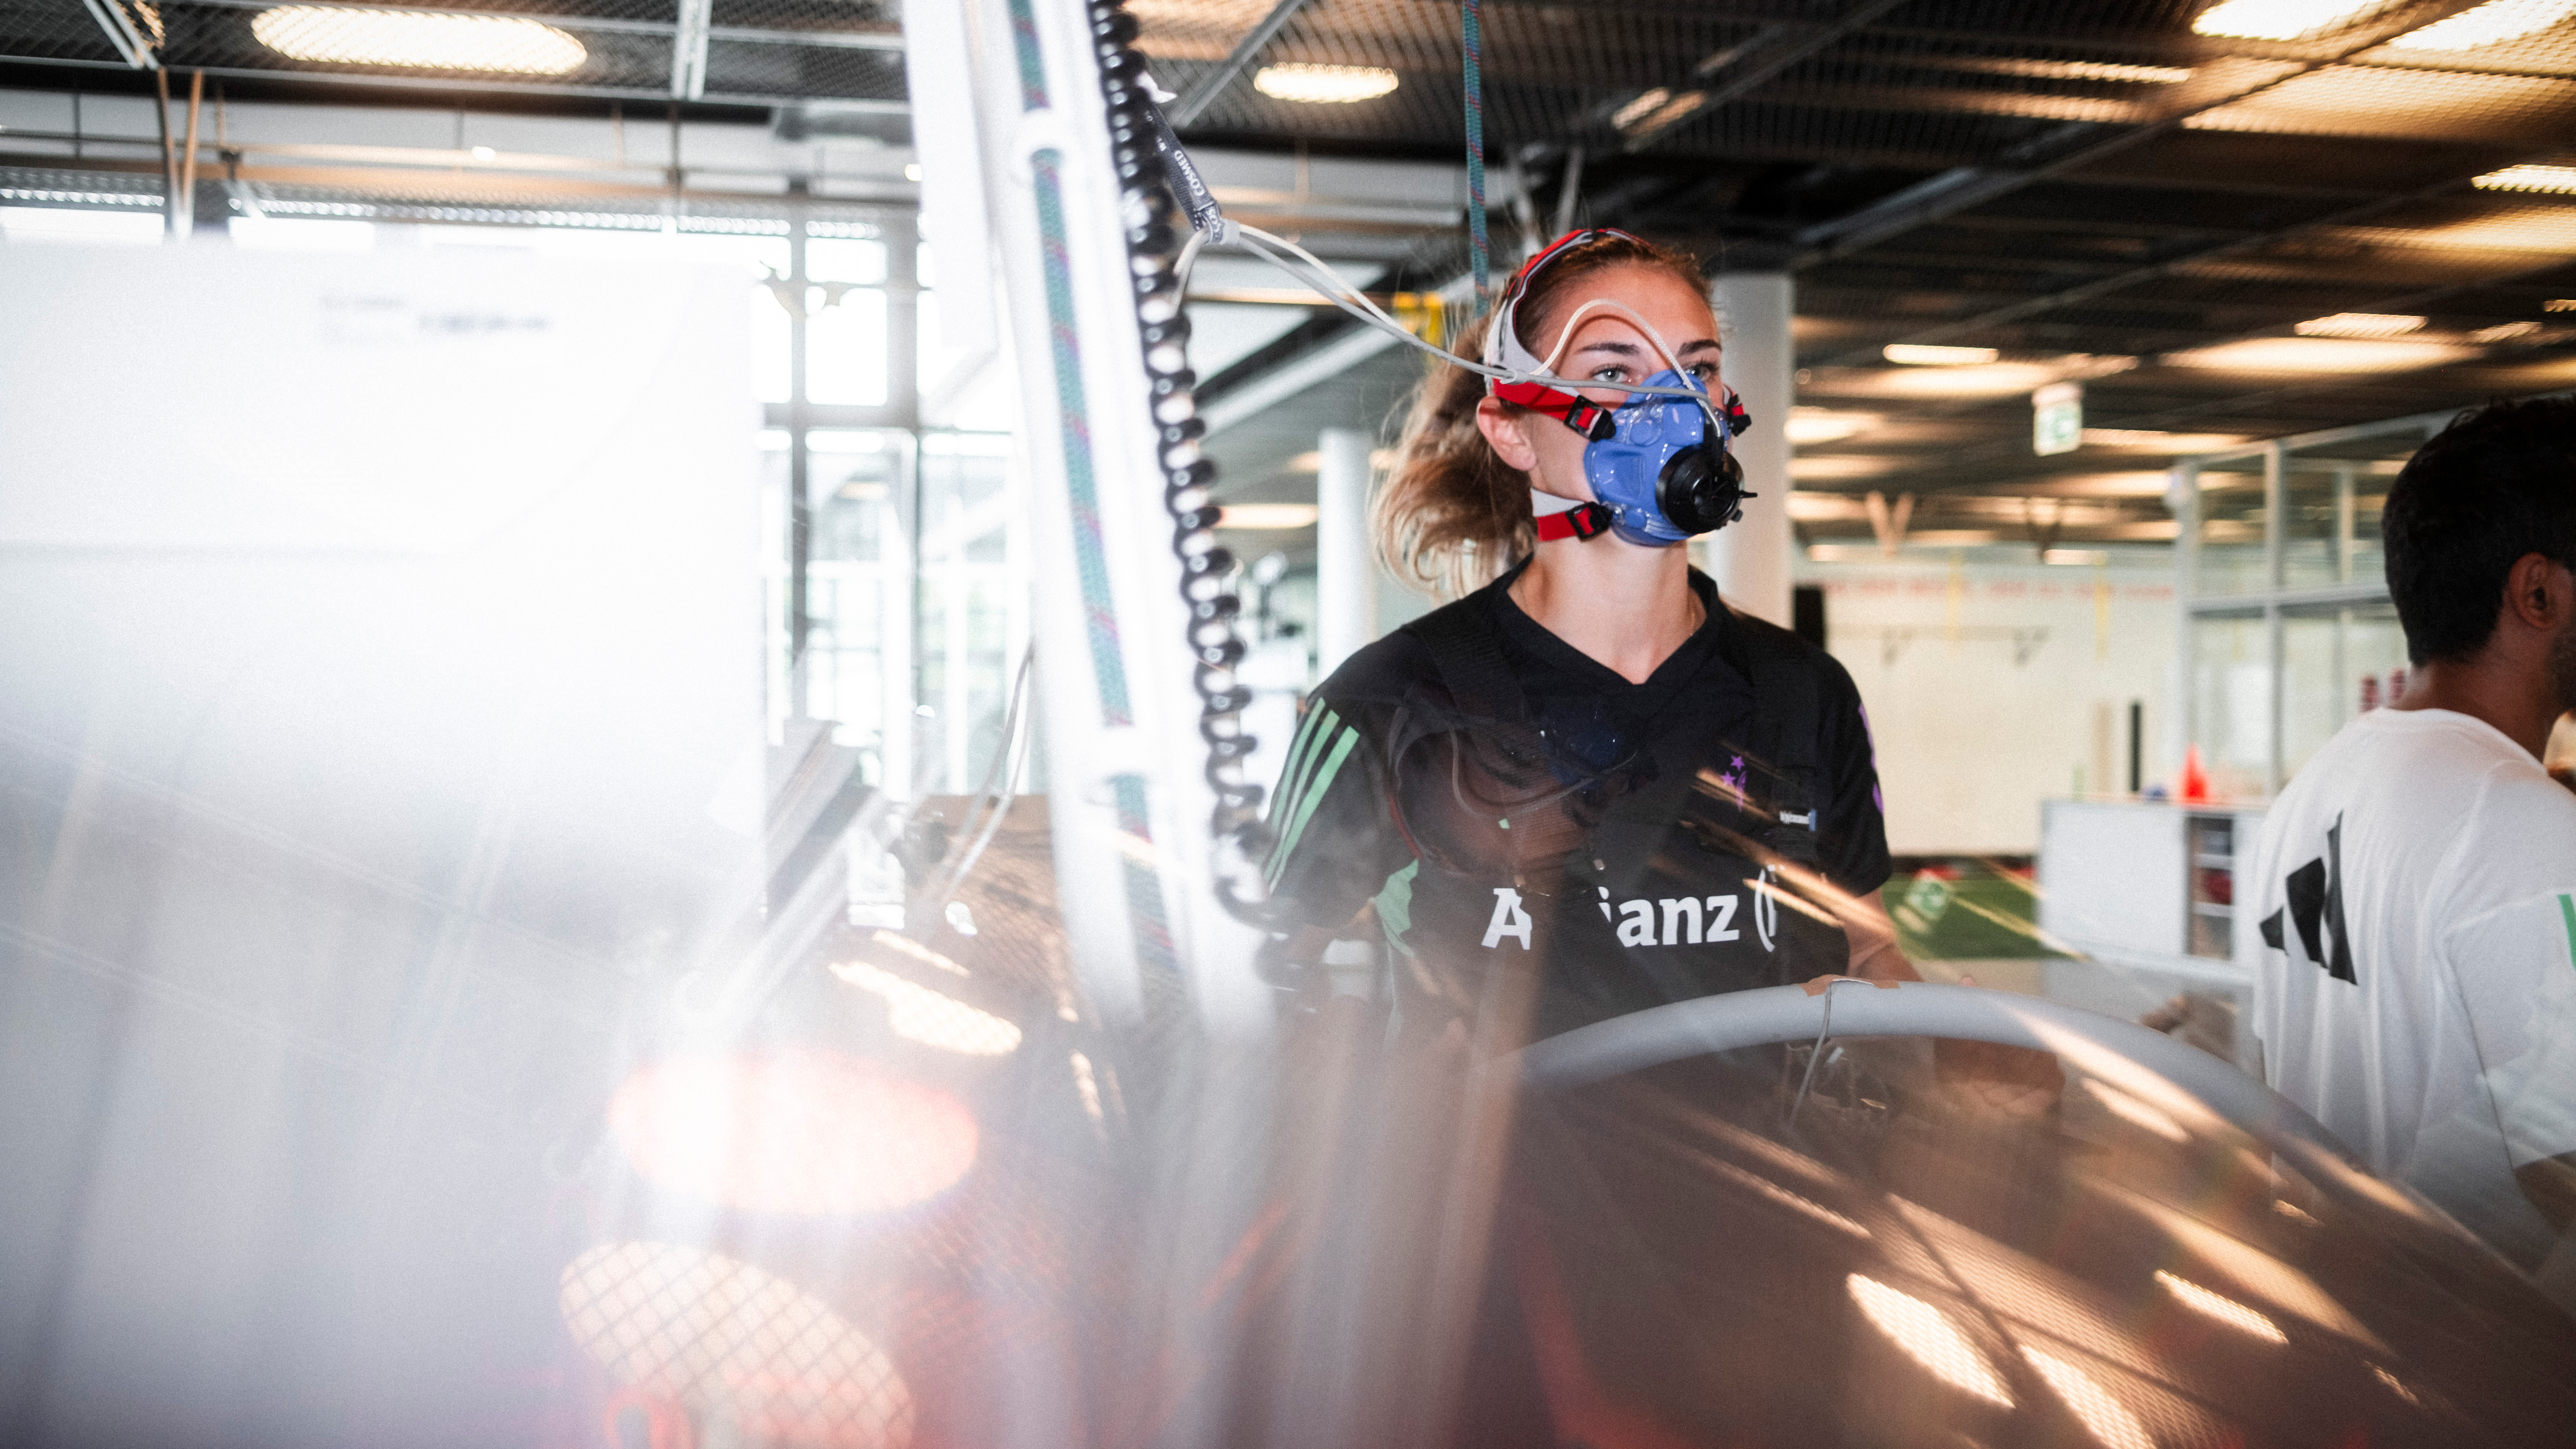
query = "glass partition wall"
x=2286 y=625
x=898 y=594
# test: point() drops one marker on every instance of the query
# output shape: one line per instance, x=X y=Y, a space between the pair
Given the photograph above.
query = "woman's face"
x=1605 y=348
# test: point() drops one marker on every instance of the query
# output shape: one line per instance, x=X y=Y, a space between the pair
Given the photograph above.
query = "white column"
x=1750 y=557
x=1345 y=576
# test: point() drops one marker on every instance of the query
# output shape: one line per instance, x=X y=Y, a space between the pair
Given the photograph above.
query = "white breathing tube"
x=1328 y=284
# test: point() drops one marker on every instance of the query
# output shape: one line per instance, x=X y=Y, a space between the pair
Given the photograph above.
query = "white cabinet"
x=2146 y=884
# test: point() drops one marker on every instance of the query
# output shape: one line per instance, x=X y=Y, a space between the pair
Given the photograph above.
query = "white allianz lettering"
x=1686 y=921
x=1673 y=911
x=1508 y=920
x=1636 y=923
x=1718 y=929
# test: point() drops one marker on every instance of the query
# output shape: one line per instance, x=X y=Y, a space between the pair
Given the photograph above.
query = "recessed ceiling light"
x=2549 y=230
x=1267 y=515
x=2096 y=70
x=1640 y=108
x=408 y=38
x=1914 y=354
x=1673 y=110
x=1843 y=465
x=2277 y=19
x=1995 y=379
x=2497 y=20
x=2360 y=324
x=1806 y=505
x=1324 y=85
x=1822 y=425
x=2528 y=178
x=2505 y=333
x=2559 y=304
x=2155 y=442
x=2318 y=354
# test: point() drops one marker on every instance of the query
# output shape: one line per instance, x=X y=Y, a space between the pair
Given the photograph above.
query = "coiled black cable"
x=1156 y=230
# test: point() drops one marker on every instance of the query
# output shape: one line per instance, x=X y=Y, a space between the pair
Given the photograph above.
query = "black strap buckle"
x=1588 y=520
x=1593 y=421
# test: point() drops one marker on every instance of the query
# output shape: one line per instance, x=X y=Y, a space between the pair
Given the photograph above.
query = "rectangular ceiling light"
x=1627 y=116
x=2560 y=179
x=2318 y=355
x=2401 y=103
x=2504 y=333
x=2092 y=70
x=2544 y=229
x=2559 y=304
x=2278 y=19
x=1843 y=465
x=2142 y=440
x=1999 y=379
x=2360 y=324
x=1909 y=354
x=1822 y=425
x=2489 y=24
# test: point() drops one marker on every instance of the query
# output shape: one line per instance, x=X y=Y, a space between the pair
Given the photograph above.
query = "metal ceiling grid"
x=739 y=68
x=54 y=30
x=2051 y=178
x=878 y=18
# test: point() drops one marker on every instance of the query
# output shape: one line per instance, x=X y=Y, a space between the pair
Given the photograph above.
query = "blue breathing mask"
x=1665 y=472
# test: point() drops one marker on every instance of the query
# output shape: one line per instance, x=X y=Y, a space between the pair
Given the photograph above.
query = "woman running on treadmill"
x=1586 y=766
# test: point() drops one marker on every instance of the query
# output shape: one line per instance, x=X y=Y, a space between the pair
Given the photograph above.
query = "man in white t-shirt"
x=2409 y=912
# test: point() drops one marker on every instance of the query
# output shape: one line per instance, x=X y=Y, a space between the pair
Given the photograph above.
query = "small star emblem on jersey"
x=2315 y=908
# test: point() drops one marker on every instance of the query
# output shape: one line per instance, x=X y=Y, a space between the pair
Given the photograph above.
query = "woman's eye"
x=1704 y=371
x=1610 y=374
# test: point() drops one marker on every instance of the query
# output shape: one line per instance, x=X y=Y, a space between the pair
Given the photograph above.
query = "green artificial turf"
x=1981 y=914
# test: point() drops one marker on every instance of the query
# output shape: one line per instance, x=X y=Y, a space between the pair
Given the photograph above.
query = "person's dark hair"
x=2497 y=484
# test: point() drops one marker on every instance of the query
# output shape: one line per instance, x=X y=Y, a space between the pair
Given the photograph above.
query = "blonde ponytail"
x=1450 y=515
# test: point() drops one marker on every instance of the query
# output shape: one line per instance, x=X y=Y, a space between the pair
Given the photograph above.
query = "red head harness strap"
x=1503 y=345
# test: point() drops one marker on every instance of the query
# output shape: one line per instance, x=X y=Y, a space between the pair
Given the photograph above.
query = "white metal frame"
x=2275 y=599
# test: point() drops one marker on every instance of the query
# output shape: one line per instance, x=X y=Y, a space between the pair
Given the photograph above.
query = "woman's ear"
x=1503 y=433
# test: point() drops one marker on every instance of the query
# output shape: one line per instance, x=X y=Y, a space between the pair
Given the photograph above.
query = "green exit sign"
x=2057 y=419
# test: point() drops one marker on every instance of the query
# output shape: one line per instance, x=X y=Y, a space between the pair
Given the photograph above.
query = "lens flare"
x=712 y=1332
x=1930 y=1339
x=2129 y=1109
x=2221 y=1307
x=2105 y=1417
x=792 y=1131
x=932 y=1018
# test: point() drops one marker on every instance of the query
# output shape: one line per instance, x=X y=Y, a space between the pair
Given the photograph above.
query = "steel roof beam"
x=129 y=42
x=689 y=49
x=2137 y=276
x=1739 y=69
x=1188 y=108
x=1974 y=185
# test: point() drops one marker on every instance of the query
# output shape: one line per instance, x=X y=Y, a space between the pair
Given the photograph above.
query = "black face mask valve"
x=1701 y=489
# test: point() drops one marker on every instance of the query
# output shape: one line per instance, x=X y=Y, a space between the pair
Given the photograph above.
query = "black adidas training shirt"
x=1643 y=890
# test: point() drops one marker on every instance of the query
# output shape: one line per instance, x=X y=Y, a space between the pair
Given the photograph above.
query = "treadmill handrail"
x=2124 y=1054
